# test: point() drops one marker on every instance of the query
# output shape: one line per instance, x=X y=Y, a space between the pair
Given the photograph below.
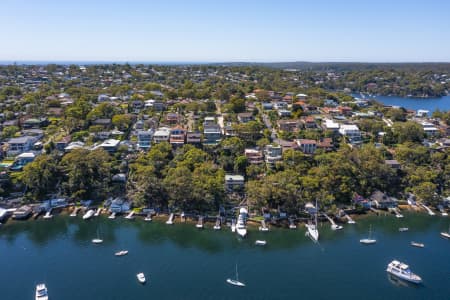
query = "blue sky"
x=225 y=30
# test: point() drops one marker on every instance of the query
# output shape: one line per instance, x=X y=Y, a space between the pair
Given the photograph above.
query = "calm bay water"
x=431 y=104
x=182 y=262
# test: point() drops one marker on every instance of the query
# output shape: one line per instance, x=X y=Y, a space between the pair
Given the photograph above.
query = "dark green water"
x=182 y=262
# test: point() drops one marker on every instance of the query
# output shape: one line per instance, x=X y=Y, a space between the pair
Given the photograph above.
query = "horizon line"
x=193 y=62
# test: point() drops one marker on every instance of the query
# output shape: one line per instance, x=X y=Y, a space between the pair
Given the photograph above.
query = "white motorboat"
x=336 y=227
x=141 y=277
x=236 y=281
x=260 y=242
x=446 y=234
x=97 y=240
x=88 y=214
x=402 y=271
x=41 y=292
x=263 y=228
x=403 y=229
x=419 y=245
x=369 y=240
x=121 y=253
x=241 y=227
x=233 y=225
x=112 y=216
x=351 y=222
x=399 y=216
x=216 y=227
x=148 y=218
x=48 y=215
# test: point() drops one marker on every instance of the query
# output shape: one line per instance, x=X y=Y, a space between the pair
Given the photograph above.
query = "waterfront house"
x=161 y=135
x=177 y=136
x=383 y=201
x=119 y=205
x=234 y=182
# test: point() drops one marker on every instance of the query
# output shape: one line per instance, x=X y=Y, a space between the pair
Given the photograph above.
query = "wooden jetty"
x=199 y=224
x=130 y=216
x=218 y=222
x=429 y=211
x=75 y=211
x=263 y=226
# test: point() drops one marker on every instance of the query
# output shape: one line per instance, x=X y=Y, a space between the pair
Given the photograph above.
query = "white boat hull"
x=141 y=278
x=367 y=241
x=312 y=232
x=414 y=279
x=241 y=231
x=235 y=282
x=88 y=215
x=445 y=235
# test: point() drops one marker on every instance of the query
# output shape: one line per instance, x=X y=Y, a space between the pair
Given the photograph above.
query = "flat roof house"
x=234 y=182
x=273 y=153
x=177 y=136
x=144 y=139
x=211 y=134
x=110 y=145
x=161 y=135
x=20 y=145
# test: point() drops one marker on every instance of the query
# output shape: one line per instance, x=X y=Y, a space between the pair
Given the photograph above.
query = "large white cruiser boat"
x=241 y=228
x=41 y=292
x=402 y=271
x=313 y=231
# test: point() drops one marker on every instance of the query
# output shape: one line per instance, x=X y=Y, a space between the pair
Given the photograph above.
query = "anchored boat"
x=402 y=271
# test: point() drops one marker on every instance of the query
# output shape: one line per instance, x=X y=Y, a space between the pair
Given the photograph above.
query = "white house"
x=331 y=125
x=350 y=131
x=161 y=135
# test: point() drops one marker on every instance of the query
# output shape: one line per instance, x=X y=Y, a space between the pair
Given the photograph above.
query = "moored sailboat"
x=236 y=281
